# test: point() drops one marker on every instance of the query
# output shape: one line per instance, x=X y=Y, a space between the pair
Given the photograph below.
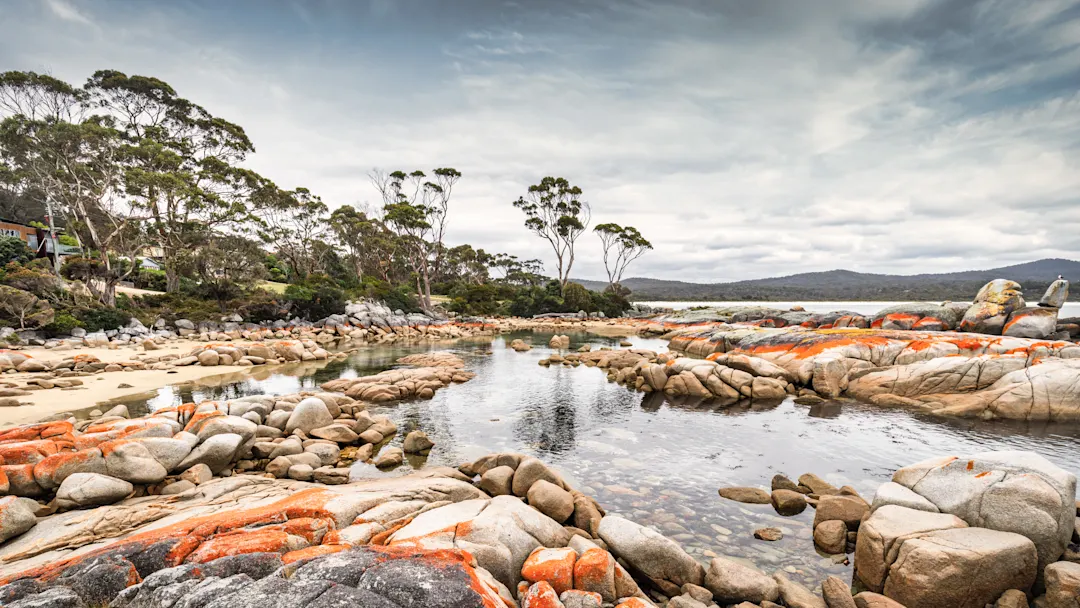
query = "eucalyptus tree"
x=555 y=212
x=295 y=223
x=416 y=207
x=622 y=245
x=181 y=164
x=53 y=148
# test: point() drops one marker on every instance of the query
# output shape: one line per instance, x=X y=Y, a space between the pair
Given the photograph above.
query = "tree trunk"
x=108 y=294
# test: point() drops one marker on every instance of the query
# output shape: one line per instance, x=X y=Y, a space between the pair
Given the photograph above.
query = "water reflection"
x=654 y=459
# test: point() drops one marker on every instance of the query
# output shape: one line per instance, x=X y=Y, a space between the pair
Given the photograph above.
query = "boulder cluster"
x=946 y=373
x=309 y=436
x=993 y=528
x=364 y=321
x=728 y=378
x=998 y=309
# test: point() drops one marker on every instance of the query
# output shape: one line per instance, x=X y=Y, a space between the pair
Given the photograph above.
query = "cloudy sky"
x=744 y=138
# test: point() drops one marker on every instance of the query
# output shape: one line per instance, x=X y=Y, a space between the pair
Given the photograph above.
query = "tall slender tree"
x=555 y=212
x=621 y=246
x=416 y=207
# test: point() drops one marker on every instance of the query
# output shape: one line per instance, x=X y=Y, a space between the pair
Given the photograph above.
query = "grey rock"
x=795 y=595
x=310 y=414
x=657 y=557
x=91 y=489
x=731 y=582
x=16 y=516
x=217 y=452
x=551 y=500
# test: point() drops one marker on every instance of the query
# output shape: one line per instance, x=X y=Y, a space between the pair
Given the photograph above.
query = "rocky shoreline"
x=253 y=501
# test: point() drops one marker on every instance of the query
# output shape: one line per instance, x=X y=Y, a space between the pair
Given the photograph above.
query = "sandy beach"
x=98 y=388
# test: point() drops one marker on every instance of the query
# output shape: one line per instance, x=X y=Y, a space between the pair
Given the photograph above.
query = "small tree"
x=24 y=307
x=555 y=212
x=621 y=246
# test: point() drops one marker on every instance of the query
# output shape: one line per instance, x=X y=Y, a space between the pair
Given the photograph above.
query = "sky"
x=743 y=138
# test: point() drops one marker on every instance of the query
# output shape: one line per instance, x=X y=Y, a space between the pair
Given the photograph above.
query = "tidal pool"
x=654 y=460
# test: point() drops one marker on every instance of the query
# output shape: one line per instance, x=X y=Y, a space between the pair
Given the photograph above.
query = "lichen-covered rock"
x=1056 y=294
x=1031 y=322
x=555 y=566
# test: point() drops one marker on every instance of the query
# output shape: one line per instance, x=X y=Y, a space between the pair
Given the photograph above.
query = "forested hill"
x=847 y=285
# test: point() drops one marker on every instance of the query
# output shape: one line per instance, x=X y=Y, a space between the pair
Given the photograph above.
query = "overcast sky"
x=744 y=138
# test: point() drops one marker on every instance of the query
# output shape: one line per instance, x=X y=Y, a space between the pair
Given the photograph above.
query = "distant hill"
x=848 y=285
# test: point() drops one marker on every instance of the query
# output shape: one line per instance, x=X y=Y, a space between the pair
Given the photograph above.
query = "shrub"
x=317 y=298
x=14 y=250
x=100 y=319
x=150 y=278
x=24 y=309
x=62 y=323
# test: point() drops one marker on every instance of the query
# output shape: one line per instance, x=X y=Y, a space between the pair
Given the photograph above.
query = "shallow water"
x=651 y=459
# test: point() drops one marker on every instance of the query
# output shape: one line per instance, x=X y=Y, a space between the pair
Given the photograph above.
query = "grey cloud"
x=745 y=139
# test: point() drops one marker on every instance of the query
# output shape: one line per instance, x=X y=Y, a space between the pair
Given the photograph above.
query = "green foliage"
x=14 y=250
x=150 y=278
x=34 y=277
x=486 y=299
x=536 y=300
x=23 y=309
x=555 y=212
x=576 y=297
x=98 y=319
x=317 y=298
x=62 y=324
x=68 y=240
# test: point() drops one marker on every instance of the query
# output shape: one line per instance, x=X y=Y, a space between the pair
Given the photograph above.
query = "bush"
x=101 y=319
x=531 y=301
x=14 y=250
x=23 y=309
x=62 y=324
x=470 y=299
x=263 y=306
x=317 y=298
x=576 y=297
x=150 y=278
x=397 y=297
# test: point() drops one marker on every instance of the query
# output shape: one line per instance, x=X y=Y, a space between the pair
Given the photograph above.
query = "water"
x=654 y=460
x=1071 y=309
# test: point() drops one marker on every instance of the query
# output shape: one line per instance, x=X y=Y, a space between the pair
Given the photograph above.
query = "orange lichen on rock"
x=239 y=542
x=37 y=431
x=199 y=419
x=634 y=602
x=27 y=452
x=310 y=552
x=541 y=595
x=595 y=571
x=555 y=566
x=52 y=471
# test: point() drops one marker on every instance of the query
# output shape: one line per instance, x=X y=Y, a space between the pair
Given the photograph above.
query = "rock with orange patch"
x=1019 y=492
x=27 y=452
x=635 y=602
x=245 y=541
x=555 y=566
x=1031 y=322
x=52 y=471
x=541 y=595
x=595 y=572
